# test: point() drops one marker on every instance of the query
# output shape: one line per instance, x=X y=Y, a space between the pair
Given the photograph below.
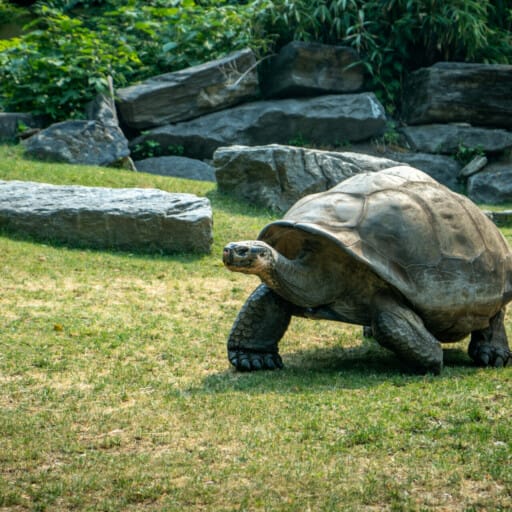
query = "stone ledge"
x=501 y=219
x=147 y=220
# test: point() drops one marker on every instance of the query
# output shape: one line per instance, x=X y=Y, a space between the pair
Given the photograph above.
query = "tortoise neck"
x=288 y=278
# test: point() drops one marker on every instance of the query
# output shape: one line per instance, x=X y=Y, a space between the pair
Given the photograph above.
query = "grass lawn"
x=116 y=393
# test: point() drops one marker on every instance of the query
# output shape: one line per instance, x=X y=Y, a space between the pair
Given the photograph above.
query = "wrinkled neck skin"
x=295 y=280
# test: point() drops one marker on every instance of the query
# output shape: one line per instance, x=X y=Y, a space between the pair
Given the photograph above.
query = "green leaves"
x=58 y=66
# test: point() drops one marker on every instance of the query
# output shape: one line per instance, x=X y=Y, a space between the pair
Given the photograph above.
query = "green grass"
x=116 y=394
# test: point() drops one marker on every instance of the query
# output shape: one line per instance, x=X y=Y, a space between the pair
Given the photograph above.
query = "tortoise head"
x=249 y=257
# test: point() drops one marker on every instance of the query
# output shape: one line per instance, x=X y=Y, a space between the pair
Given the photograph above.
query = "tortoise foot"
x=489 y=347
x=246 y=361
x=487 y=354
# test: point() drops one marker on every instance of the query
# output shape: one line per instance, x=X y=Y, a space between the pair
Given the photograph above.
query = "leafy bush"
x=59 y=66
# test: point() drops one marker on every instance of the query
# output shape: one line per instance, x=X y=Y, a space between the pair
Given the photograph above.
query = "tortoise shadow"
x=364 y=366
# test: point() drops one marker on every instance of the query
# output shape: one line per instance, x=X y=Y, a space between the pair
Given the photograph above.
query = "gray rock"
x=493 y=185
x=305 y=69
x=127 y=219
x=190 y=93
x=442 y=168
x=177 y=166
x=474 y=166
x=79 y=142
x=330 y=119
x=478 y=94
x=11 y=122
x=277 y=176
x=103 y=110
x=447 y=138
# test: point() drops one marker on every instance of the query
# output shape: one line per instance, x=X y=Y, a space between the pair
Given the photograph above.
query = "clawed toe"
x=489 y=355
x=254 y=361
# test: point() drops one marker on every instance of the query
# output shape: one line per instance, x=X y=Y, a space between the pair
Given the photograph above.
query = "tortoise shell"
x=436 y=247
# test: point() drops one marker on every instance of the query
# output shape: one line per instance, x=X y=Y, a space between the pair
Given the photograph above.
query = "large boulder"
x=178 y=167
x=79 y=142
x=491 y=186
x=305 y=69
x=331 y=119
x=189 y=93
x=277 y=176
x=447 y=92
x=447 y=138
x=128 y=219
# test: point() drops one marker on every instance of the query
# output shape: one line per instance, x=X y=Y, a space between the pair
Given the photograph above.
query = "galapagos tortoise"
x=392 y=250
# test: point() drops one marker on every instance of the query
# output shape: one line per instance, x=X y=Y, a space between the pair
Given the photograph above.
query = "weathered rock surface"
x=103 y=110
x=127 y=219
x=493 y=185
x=10 y=122
x=177 y=166
x=190 y=93
x=305 y=69
x=79 y=142
x=329 y=119
x=478 y=94
x=277 y=176
x=442 y=168
x=447 y=138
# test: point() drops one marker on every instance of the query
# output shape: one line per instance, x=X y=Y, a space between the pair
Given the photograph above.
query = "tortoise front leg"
x=489 y=347
x=260 y=324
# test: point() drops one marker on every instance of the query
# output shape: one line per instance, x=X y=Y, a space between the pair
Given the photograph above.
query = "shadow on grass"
x=365 y=366
x=151 y=253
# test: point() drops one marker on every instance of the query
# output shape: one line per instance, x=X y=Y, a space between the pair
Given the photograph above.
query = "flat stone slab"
x=500 y=218
x=331 y=119
x=191 y=92
x=132 y=219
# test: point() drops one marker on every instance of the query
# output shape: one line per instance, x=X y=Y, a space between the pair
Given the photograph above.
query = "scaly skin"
x=260 y=324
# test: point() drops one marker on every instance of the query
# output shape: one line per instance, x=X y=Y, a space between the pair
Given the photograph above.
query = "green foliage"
x=59 y=66
x=465 y=154
x=151 y=148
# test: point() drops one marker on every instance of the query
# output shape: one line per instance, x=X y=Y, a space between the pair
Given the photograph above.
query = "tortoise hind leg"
x=401 y=330
x=489 y=347
x=260 y=324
